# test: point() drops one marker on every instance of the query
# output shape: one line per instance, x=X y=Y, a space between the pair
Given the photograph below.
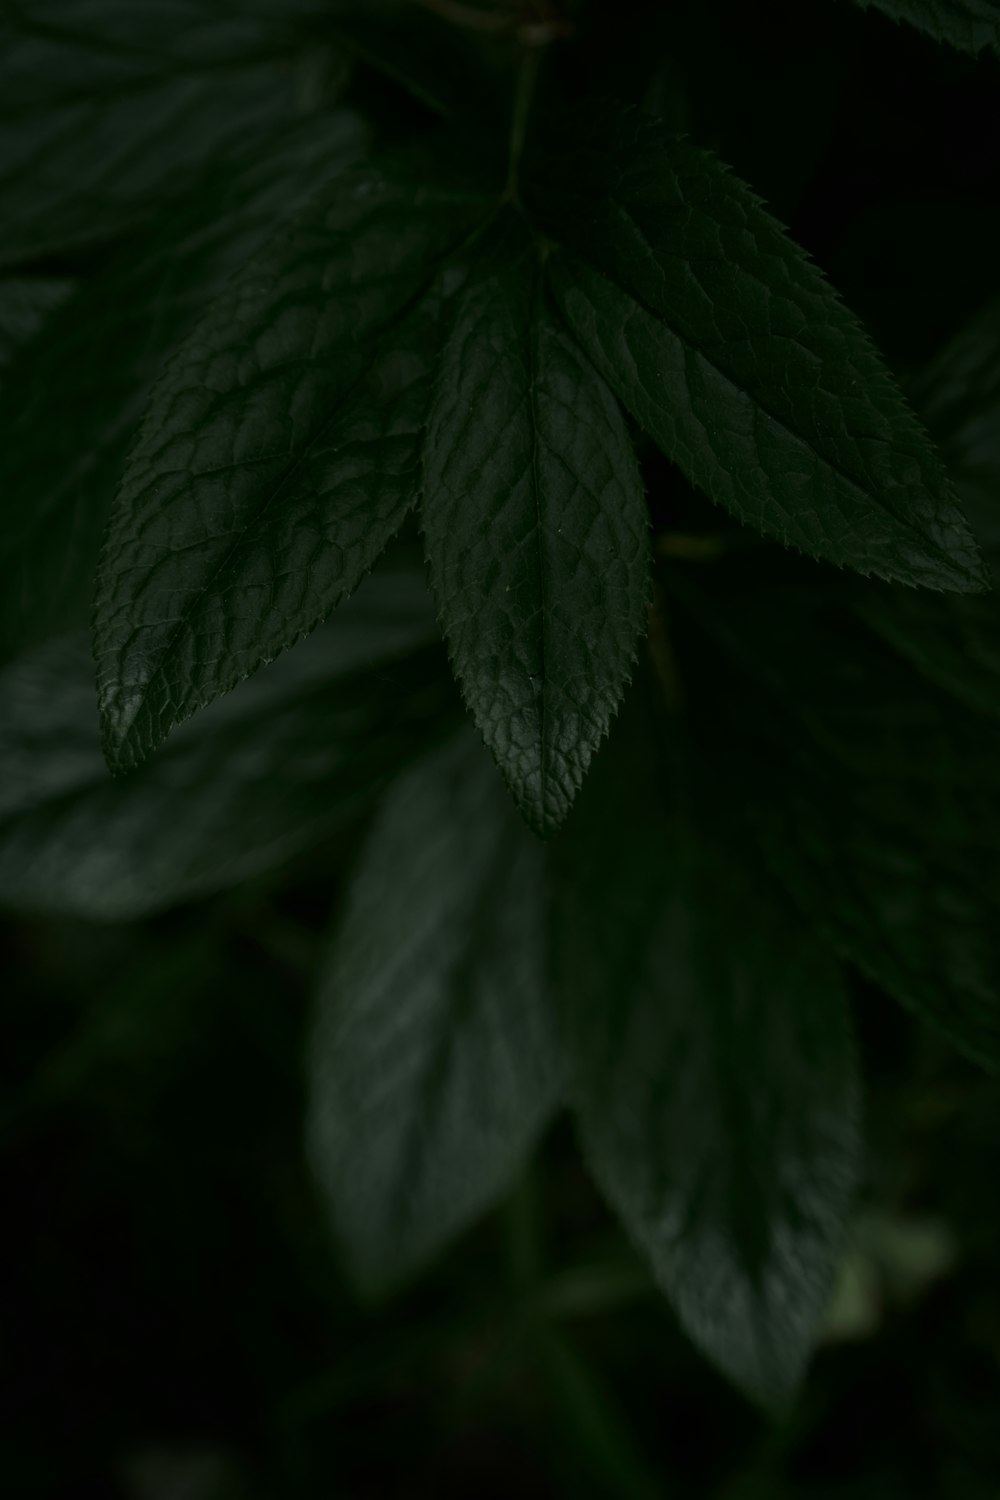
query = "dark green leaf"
x=969 y=25
x=272 y=769
x=536 y=526
x=433 y=1066
x=875 y=796
x=714 y=1074
x=729 y=347
x=895 y=854
x=279 y=452
x=79 y=392
x=959 y=397
x=105 y=106
x=955 y=641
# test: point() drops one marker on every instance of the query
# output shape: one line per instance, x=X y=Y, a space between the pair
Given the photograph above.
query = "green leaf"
x=274 y=768
x=79 y=391
x=147 y=1007
x=969 y=25
x=713 y=1067
x=279 y=452
x=958 y=395
x=106 y=107
x=536 y=527
x=894 y=853
x=738 y=359
x=25 y=303
x=433 y=1066
x=874 y=795
x=955 y=641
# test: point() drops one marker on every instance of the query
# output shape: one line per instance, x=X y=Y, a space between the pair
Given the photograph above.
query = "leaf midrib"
x=534 y=365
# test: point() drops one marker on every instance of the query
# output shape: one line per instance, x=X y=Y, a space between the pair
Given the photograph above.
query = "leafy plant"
x=295 y=293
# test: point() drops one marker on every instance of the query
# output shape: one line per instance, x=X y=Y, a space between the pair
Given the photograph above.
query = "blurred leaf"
x=275 y=768
x=913 y=1253
x=25 y=303
x=106 y=107
x=185 y=1474
x=854 y=1310
x=144 y=1015
x=433 y=1067
x=954 y=641
x=78 y=393
x=959 y=396
x=714 y=1073
x=280 y=450
x=969 y=25
x=875 y=796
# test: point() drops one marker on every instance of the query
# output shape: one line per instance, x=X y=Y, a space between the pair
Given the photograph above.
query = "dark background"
x=174 y=1322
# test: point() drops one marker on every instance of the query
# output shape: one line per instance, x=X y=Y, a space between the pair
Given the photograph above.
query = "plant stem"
x=521 y=1234
x=524 y=91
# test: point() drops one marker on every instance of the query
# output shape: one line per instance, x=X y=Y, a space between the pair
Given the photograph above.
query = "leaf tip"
x=121 y=752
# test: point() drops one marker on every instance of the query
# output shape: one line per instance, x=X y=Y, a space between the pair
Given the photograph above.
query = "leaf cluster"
x=360 y=511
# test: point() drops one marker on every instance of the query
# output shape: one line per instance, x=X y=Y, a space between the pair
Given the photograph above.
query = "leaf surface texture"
x=279 y=454
x=732 y=351
x=536 y=527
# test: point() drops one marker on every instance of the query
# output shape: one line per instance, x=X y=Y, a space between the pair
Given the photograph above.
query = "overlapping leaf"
x=536 y=527
x=270 y=770
x=969 y=25
x=105 y=106
x=713 y=1069
x=279 y=453
x=79 y=390
x=729 y=347
x=433 y=1065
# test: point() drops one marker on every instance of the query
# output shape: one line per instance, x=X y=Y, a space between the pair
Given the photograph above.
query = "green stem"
x=596 y=1433
x=522 y=1235
x=524 y=92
